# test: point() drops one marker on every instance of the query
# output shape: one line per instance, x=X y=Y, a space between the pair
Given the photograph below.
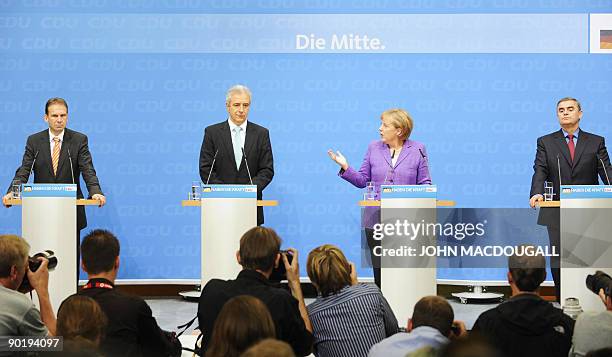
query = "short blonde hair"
x=328 y=269
x=400 y=119
x=13 y=252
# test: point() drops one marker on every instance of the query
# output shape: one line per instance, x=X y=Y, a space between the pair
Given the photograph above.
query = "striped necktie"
x=56 y=154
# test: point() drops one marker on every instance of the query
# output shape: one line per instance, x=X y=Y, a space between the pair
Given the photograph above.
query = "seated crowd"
x=253 y=315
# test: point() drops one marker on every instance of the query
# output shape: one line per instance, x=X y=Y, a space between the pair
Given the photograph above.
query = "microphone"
x=247 y=165
x=212 y=166
x=390 y=167
x=422 y=155
x=559 y=170
x=32 y=167
x=604 y=167
x=70 y=159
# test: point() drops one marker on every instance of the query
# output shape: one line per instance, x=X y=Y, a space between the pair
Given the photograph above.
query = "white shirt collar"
x=61 y=136
x=233 y=126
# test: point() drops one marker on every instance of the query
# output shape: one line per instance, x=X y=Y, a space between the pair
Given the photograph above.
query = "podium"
x=404 y=286
x=227 y=212
x=586 y=246
x=48 y=222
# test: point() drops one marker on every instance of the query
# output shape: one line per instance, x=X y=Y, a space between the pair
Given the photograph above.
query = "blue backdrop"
x=144 y=78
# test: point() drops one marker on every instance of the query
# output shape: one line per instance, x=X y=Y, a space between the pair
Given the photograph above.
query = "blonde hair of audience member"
x=81 y=317
x=269 y=348
x=243 y=321
x=400 y=119
x=13 y=253
x=329 y=270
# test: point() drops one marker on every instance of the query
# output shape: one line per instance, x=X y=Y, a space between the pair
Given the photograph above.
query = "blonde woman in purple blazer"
x=393 y=160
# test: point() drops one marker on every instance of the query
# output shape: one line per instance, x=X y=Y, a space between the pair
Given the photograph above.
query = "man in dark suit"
x=227 y=140
x=54 y=149
x=569 y=156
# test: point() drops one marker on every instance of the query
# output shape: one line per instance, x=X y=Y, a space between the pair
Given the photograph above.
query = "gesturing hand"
x=338 y=158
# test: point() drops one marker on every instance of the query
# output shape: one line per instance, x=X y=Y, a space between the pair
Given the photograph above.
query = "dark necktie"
x=570 y=145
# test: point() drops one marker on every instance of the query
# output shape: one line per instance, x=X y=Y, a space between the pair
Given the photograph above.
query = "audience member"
x=18 y=315
x=81 y=317
x=593 y=330
x=243 y=321
x=431 y=325
x=259 y=254
x=132 y=330
x=269 y=348
x=470 y=346
x=347 y=318
x=526 y=324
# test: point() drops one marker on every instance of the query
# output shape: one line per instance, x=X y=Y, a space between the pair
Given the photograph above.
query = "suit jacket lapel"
x=45 y=151
x=63 y=154
x=385 y=153
x=560 y=140
x=404 y=153
x=226 y=138
x=583 y=141
x=249 y=139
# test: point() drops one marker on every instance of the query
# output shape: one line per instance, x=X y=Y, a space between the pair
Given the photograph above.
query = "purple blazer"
x=410 y=169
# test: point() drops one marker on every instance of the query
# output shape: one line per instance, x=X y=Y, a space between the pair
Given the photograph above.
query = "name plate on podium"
x=48 y=190
x=229 y=191
x=569 y=192
x=408 y=191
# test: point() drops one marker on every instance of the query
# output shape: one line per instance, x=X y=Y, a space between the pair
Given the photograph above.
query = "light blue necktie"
x=237 y=143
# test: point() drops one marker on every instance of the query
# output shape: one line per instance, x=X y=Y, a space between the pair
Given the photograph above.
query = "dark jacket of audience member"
x=132 y=330
x=526 y=324
x=258 y=254
x=347 y=318
x=243 y=321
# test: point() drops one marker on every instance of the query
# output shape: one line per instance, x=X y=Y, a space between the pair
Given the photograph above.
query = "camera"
x=599 y=280
x=34 y=264
x=280 y=273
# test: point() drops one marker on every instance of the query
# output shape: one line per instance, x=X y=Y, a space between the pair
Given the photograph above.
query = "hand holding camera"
x=290 y=261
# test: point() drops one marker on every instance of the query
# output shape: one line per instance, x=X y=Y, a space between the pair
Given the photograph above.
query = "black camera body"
x=280 y=273
x=34 y=264
x=599 y=280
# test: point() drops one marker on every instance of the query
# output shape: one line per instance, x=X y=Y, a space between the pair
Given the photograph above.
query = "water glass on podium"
x=194 y=194
x=548 y=191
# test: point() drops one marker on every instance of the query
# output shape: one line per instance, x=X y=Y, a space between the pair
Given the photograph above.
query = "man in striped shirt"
x=347 y=318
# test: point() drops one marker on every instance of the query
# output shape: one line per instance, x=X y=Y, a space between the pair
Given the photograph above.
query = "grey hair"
x=238 y=88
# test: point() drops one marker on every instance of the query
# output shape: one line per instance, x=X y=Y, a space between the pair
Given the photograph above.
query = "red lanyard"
x=97 y=285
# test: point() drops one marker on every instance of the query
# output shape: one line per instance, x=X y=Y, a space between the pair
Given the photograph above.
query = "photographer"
x=259 y=254
x=593 y=329
x=19 y=316
x=132 y=330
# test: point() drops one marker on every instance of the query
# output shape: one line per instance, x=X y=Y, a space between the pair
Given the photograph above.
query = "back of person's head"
x=243 y=321
x=328 y=269
x=269 y=348
x=259 y=247
x=13 y=260
x=77 y=347
x=470 y=346
x=13 y=253
x=99 y=251
x=528 y=271
x=433 y=311
x=81 y=317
